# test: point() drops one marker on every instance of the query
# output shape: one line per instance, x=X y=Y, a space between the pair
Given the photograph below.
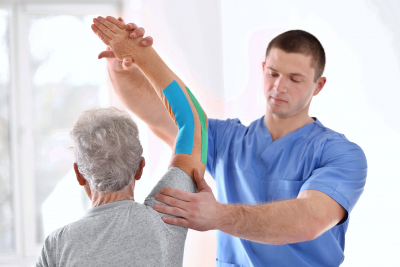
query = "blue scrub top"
x=250 y=168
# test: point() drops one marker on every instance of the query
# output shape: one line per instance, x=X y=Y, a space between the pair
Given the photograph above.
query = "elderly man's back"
x=121 y=233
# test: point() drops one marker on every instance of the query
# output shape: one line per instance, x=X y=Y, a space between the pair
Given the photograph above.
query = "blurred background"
x=49 y=74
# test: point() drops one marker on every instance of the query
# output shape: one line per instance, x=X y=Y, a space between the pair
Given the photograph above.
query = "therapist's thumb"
x=127 y=63
x=200 y=181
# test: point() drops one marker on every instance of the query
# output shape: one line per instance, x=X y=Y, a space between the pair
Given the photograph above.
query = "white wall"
x=218 y=46
x=360 y=98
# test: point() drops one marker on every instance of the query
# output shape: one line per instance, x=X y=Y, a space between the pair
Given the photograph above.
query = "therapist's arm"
x=137 y=93
x=282 y=222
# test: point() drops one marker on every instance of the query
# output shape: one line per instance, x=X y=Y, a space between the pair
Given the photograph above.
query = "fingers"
x=170 y=210
x=175 y=193
x=111 y=26
x=120 y=24
x=174 y=202
x=131 y=26
x=148 y=41
x=137 y=32
x=101 y=35
x=106 y=31
x=176 y=221
x=120 y=19
x=106 y=54
x=200 y=182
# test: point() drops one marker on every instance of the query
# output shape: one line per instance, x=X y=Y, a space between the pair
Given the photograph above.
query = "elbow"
x=308 y=233
x=313 y=230
x=311 y=235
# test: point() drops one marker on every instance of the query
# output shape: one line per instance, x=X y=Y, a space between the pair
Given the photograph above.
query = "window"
x=49 y=74
x=6 y=203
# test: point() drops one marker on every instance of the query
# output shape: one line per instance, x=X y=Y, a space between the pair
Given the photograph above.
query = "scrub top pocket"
x=224 y=264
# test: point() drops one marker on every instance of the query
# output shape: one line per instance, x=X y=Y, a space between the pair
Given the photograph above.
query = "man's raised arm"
x=190 y=150
x=137 y=93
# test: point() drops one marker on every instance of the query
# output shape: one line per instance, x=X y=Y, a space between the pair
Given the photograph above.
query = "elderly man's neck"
x=100 y=198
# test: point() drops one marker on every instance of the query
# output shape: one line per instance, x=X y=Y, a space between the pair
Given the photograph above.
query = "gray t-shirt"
x=121 y=233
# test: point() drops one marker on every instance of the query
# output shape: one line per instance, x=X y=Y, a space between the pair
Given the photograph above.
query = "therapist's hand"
x=199 y=211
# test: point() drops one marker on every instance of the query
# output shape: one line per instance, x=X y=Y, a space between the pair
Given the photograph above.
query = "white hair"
x=107 y=148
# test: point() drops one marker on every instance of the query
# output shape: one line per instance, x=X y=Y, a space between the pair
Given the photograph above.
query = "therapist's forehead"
x=289 y=63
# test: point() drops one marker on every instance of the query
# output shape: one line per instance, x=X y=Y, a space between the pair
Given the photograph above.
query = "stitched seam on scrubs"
x=202 y=117
x=183 y=116
x=333 y=190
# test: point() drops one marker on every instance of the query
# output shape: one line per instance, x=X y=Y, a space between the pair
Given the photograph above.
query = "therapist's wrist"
x=224 y=217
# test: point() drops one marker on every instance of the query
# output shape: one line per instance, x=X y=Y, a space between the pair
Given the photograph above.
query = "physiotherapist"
x=286 y=183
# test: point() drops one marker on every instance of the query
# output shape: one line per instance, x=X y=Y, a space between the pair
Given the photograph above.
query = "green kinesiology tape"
x=184 y=118
x=204 y=134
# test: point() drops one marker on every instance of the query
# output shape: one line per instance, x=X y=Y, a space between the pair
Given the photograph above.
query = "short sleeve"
x=173 y=178
x=42 y=260
x=218 y=132
x=48 y=250
x=341 y=174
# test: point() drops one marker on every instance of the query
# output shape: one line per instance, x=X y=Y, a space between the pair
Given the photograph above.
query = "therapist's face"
x=289 y=83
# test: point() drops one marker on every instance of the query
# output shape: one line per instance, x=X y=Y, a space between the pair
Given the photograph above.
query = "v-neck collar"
x=287 y=136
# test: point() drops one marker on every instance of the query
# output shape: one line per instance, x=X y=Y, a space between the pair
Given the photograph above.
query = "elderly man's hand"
x=114 y=34
x=199 y=211
x=127 y=63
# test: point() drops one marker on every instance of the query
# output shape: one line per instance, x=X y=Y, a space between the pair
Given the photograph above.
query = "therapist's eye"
x=273 y=75
x=295 y=81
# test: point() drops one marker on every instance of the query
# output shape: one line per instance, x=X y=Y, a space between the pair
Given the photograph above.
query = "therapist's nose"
x=280 y=85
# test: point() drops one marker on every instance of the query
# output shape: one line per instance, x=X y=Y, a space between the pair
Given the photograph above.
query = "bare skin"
x=288 y=100
x=288 y=96
x=114 y=34
x=137 y=93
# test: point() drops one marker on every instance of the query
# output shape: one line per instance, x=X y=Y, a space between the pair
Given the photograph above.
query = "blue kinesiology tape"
x=183 y=116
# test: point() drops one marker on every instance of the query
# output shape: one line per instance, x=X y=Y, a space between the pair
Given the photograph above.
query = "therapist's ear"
x=79 y=176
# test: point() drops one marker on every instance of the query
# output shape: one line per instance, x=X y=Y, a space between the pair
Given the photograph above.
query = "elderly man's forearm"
x=138 y=95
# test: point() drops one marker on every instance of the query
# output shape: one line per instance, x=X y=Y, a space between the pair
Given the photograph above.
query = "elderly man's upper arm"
x=173 y=178
x=45 y=259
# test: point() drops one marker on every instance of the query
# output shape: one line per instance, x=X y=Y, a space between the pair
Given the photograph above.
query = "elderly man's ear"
x=79 y=176
x=139 y=171
x=82 y=181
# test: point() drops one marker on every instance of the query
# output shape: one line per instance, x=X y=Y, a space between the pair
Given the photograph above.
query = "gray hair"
x=107 y=148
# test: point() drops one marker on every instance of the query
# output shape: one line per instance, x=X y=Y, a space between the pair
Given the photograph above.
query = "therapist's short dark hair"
x=298 y=41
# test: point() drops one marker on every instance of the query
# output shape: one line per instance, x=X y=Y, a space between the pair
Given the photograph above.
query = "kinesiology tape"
x=203 y=123
x=179 y=108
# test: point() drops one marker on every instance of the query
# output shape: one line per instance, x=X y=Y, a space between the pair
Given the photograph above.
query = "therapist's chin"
x=279 y=111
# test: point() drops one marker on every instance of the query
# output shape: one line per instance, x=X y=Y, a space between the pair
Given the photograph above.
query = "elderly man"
x=118 y=231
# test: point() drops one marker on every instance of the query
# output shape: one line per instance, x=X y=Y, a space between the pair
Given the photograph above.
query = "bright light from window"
x=67 y=79
x=69 y=49
x=6 y=210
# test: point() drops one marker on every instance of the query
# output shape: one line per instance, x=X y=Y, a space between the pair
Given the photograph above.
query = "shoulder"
x=223 y=124
x=222 y=127
x=52 y=241
x=337 y=148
